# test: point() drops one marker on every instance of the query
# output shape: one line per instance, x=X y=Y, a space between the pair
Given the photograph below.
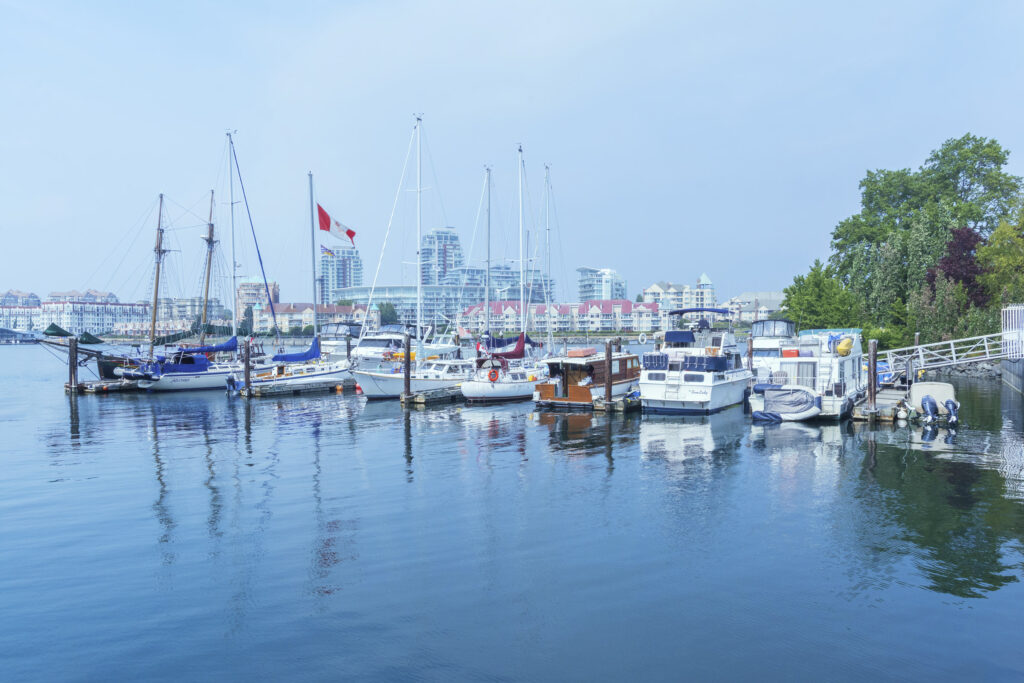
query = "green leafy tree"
x=246 y=327
x=819 y=299
x=639 y=298
x=388 y=314
x=307 y=330
x=1001 y=260
x=345 y=302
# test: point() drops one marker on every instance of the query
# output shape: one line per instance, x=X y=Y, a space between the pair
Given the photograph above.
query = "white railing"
x=1013 y=330
x=954 y=352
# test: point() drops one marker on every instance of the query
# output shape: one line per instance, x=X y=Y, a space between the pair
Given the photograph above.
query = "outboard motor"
x=953 y=419
x=929 y=410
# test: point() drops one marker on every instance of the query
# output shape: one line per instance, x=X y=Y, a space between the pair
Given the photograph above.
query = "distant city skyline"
x=683 y=137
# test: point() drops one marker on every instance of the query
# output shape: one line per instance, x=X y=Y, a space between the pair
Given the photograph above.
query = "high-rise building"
x=600 y=284
x=339 y=267
x=255 y=294
x=440 y=253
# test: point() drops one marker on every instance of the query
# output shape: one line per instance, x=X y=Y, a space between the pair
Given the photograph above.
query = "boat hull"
x=476 y=391
x=580 y=398
x=381 y=385
x=668 y=398
x=188 y=381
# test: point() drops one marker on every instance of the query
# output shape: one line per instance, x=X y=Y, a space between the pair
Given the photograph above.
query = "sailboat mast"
x=312 y=250
x=522 y=263
x=158 y=251
x=547 y=247
x=234 y=262
x=419 y=229
x=487 y=275
x=209 y=265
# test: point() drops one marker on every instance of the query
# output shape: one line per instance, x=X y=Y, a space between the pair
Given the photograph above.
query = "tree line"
x=938 y=251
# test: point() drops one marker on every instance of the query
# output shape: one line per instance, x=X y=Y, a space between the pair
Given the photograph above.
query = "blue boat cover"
x=229 y=345
x=309 y=354
x=499 y=342
x=679 y=337
x=683 y=311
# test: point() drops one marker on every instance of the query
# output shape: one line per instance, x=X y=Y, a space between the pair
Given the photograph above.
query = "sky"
x=726 y=138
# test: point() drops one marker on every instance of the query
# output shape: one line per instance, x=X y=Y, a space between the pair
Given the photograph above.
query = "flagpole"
x=312 y=250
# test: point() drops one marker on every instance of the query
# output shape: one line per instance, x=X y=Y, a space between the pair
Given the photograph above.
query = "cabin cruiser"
x=505 y=376
x=379 y=348
x=696 y=371
x=578 y=378
x=817 y=373
x=388 y=381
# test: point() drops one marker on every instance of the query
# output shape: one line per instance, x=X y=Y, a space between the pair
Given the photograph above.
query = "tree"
x=307 y=330
x=960 y=265
x=640 y=298
x=819 y=299
x=388 y=314
x=345 y=302
x=246 y=328
x=1001 y=261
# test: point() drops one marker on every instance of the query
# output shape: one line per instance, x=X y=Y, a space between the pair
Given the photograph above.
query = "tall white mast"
x=312 y=250
x=487 y=277
x=419 y=229
x=547 y=247
x=522 y=262
x=234 y=262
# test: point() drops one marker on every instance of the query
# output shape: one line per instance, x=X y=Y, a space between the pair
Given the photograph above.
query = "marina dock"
x=451 y=394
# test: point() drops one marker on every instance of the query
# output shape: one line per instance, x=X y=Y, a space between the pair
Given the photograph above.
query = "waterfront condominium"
x=600 y=283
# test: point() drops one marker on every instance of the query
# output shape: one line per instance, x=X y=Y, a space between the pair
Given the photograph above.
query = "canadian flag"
x=334 y=227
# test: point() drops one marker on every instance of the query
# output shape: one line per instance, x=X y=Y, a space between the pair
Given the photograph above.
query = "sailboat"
x=430 y=372
x=190 y=367
x=510 y=375
x=303 y=369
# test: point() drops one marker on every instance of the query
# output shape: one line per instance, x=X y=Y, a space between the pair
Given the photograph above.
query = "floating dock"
x=443 y=395
x=286 y=388
x=622 y=404
x=103 y=386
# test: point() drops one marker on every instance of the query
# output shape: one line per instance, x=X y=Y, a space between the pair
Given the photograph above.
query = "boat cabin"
x=575 y=379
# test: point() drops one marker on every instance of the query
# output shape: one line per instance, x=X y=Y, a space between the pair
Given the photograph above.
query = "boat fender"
x=492 y=375
x=642 y=339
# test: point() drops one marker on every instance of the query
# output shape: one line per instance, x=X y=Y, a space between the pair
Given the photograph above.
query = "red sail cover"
x=517 y=352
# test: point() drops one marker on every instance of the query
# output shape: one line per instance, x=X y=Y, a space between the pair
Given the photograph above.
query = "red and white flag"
x=334 y=227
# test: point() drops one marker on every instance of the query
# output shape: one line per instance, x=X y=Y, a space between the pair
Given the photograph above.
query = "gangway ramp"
x=1008 y=344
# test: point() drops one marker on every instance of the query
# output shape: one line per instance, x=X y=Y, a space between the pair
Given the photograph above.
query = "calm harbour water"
x=201 y=537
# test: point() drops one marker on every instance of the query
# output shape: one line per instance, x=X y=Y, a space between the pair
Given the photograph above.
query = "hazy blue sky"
x=683 y=137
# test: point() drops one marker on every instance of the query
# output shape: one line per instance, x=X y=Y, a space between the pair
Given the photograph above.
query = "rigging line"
x=380 y=259
x=188 y=210
x=558 y=234
x=437 y=185
x=270 y=302
x=472 y=243
x=137 y=228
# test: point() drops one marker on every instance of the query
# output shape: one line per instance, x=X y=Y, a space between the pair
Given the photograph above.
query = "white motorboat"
x=389 y=382
x=697 y=371
x=816 y=369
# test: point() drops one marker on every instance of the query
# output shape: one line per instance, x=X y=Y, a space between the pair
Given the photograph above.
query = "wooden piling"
x=608 y=371
x=73 y=365
x=408 y=366
x=750 y=354
x=618 y=344
x=246 y=365
x=872 y=377
x=348 y=347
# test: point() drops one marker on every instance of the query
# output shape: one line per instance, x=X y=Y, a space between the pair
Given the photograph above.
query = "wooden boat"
x=579 y=377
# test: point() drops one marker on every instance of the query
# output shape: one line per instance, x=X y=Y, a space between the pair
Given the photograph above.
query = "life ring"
x=492 y=375
x=642 y=339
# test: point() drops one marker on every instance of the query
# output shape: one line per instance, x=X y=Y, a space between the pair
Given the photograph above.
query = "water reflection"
x=685 y=438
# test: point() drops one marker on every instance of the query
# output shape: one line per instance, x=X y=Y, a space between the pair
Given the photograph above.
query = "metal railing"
x=987 y=347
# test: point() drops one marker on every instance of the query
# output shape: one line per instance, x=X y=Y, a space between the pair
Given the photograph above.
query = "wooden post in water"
x=608 y=373
x=408 y=366
x=348 y=347
x=872 y=378
x=246 y=366
x=750 y=354
x=618 y=344
x=73 y=365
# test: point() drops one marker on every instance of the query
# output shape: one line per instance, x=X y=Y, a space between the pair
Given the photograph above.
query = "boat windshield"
x=773 y=328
